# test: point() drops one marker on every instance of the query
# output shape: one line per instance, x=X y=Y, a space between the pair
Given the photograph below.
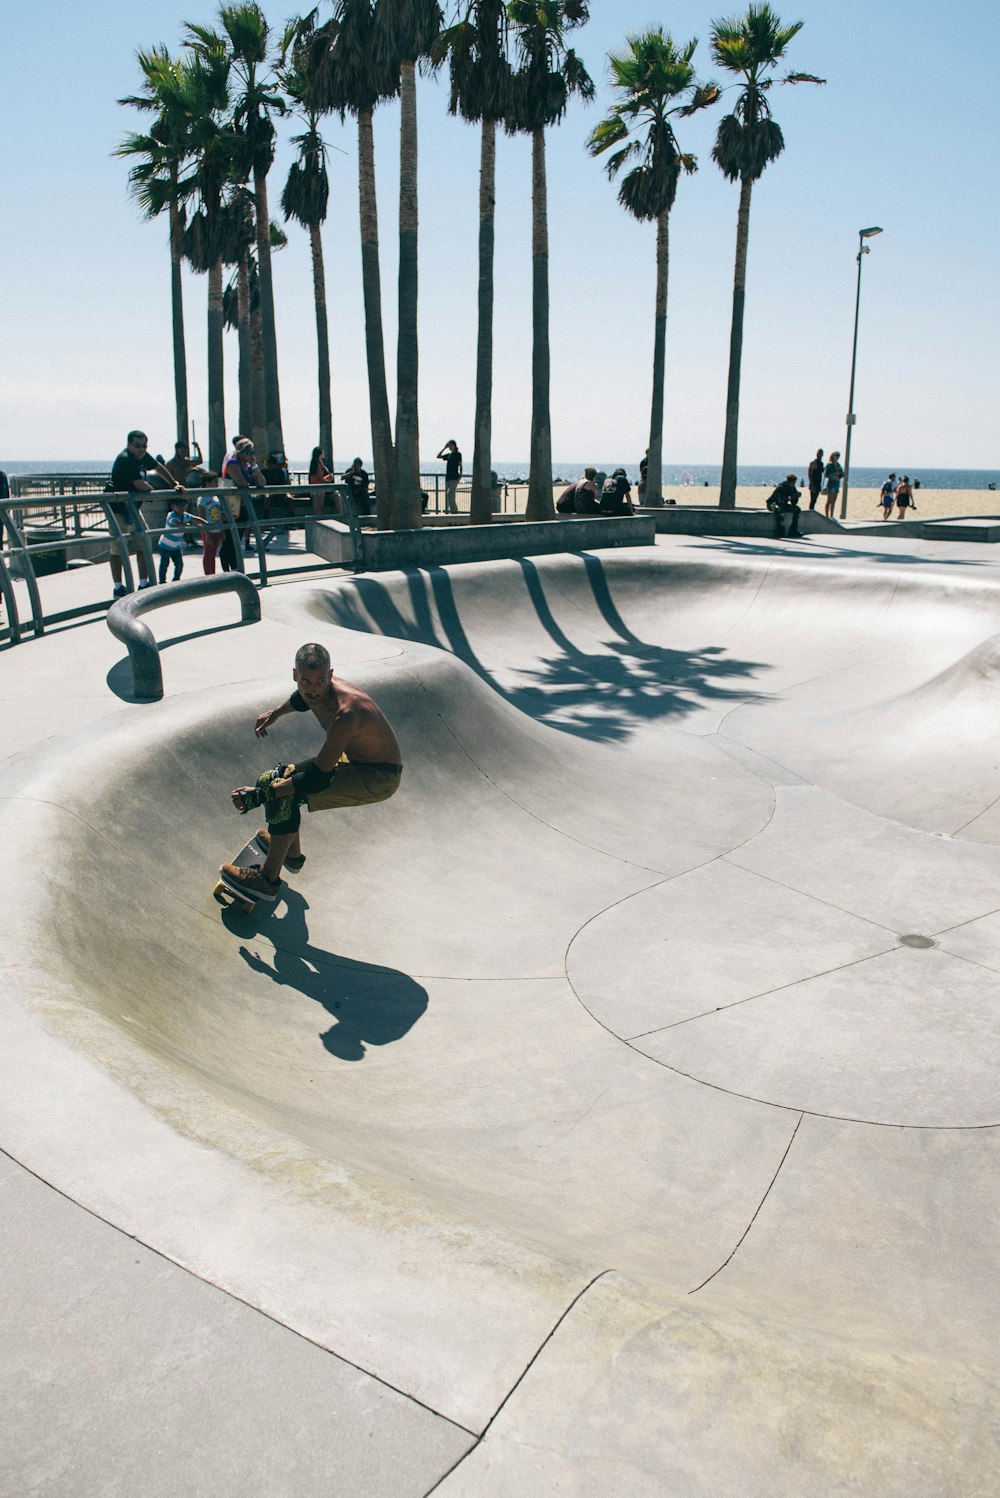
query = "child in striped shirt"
x=171 y=543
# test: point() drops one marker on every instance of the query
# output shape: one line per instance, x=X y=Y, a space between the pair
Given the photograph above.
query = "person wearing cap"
x=241 y=469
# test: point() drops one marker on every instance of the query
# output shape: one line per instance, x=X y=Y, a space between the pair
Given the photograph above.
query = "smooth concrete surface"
x=612 y=1111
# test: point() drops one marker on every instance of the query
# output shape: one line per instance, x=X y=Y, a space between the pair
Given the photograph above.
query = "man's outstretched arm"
x=296 y=703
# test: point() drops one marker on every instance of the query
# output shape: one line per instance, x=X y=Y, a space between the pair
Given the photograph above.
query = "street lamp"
x=863 y=249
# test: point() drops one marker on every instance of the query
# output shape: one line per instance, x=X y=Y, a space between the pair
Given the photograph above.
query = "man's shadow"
x=371 y=1005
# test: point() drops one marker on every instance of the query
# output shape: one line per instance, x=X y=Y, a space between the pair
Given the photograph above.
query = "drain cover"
x=912 y=940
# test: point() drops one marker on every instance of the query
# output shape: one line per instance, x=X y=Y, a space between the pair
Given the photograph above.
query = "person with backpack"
x=887 y=498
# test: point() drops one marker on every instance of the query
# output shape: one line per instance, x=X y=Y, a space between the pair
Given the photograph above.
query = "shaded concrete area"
x=616 y=1105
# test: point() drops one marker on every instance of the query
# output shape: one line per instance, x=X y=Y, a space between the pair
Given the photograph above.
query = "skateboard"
x=248 y=857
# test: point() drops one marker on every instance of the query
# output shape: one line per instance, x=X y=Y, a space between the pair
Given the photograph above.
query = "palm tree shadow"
x=601 y=695
x=371 y=1005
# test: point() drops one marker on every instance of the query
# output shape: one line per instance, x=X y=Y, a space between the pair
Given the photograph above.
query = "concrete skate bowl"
x=639 y=999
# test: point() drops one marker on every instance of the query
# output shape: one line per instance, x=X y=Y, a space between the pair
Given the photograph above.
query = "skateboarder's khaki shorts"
x=358 y=784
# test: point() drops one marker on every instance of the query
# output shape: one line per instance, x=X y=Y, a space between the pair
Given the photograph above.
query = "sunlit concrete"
x=614 y=1109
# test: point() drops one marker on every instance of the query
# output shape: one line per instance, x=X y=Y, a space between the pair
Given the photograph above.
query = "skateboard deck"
x=248 y=857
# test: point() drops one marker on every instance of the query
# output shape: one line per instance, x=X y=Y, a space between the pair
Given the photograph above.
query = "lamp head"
x=869 y=233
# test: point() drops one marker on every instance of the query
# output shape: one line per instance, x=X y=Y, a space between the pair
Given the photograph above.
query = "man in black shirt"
x=784 y=500
x=128 y=476
x=452 y=473
x=356 y=479
x=815 y=478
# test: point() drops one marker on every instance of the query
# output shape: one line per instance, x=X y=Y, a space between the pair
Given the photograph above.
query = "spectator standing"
x=128 y=476
x=276 y=506
x=832 y=475
x=887 y=498
x=182 y=463
x=319 y=473
x=643 y=466
x=904 y=497
x=815 y=478
x=357 y=481
x=241 y=470
x=452 y=474
x=171 y=542
x=214 y=523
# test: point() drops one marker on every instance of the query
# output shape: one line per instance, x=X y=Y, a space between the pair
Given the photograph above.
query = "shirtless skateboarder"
x=358 y=765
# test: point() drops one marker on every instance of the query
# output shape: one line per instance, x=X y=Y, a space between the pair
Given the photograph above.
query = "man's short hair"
x=312 y=657
x=133 y=435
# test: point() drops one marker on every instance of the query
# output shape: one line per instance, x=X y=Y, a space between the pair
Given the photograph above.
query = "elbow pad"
x=310 y=781
x=297 y=702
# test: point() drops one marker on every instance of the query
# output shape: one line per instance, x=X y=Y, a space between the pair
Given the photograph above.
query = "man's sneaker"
x=147 y=582
x=119 y=590
x=249 y=884
x=293 y=861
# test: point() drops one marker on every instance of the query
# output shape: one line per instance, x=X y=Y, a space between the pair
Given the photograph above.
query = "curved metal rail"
x=144 y=655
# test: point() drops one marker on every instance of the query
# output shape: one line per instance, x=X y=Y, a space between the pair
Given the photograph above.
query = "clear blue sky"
x=902 y=135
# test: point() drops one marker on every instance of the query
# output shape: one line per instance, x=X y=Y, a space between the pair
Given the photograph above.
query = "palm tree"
x=654 y=81
x=154 y=183
x=403 y=33
x=341 y=74
x=548 y=73
x=476 y=49
x=248 y=39
x=305 y=197
x=748 y=140
x=212 y=228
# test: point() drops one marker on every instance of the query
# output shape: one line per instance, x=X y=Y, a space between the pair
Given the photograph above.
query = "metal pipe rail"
x=123 y=526
x=143 y=652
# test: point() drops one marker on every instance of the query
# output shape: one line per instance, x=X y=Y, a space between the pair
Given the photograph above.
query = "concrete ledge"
x=385 y=551
x=709 y=520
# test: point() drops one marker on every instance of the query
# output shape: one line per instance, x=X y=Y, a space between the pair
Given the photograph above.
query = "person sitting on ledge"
x=785 y=499
x=585 y=494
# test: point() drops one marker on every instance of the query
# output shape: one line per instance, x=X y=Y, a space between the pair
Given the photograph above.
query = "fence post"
x=37 y=617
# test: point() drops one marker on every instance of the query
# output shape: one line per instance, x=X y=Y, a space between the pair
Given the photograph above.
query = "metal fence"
x=43 y=539
x=57 y=522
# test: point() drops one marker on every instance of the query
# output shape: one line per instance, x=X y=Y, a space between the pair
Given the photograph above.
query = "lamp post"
x=863 y=249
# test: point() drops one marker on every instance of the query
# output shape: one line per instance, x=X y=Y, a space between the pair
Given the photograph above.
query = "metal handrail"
x=138 y=639
x=122 y=519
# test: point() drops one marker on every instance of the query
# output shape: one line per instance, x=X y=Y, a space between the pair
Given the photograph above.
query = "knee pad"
x=282 y=812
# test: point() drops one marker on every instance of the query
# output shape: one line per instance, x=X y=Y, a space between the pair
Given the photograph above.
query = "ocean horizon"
x=675 y=475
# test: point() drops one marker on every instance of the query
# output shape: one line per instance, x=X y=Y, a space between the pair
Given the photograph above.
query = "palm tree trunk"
x=258 y=424
x=727 y=492
x=482 y=488
x=322 y=344
x=406 y=507
x=539 y=506
x=177 y=310
x=271 y=392
x=371 y=284
x=216 y=407
x=654 y=469
x=245 y=344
